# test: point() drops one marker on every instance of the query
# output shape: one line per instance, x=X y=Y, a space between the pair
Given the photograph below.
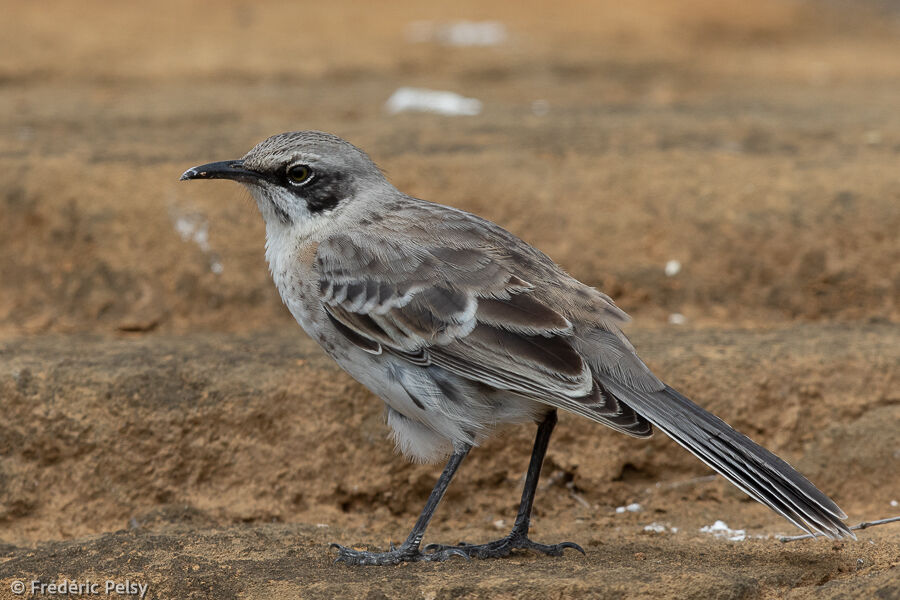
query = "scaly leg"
x=409 y=550
x=518 y=537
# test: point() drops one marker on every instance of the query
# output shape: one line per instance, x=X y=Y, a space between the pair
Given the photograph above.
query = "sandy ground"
x=165 y=420
x=172 y=441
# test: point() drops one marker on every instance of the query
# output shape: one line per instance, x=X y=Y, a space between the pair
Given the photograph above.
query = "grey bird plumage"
x=460 y=326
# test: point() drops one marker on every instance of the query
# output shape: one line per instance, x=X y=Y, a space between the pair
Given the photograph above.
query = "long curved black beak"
x=225 y=169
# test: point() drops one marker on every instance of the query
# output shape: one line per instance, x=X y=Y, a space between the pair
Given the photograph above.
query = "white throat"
x=280 y=246
x=283 y=239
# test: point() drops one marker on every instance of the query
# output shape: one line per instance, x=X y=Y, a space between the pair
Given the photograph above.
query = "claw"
x=341 y=557
x=457 y=552
x=442 y=552
x=573 y=546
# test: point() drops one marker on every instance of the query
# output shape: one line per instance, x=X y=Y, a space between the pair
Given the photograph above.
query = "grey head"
x=299 y=176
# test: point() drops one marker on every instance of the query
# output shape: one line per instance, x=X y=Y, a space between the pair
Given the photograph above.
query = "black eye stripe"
x=327 y=191
x=321 y=190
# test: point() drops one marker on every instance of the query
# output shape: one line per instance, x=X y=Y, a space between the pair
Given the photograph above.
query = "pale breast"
x=291 y=264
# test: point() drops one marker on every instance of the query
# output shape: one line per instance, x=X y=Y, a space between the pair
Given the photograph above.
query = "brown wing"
x=466 y=310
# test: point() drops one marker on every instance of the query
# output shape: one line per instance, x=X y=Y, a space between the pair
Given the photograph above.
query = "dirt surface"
x=166 y=421
x=171 y=441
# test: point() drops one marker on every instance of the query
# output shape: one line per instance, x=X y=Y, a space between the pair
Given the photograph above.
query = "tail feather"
x=756 y=471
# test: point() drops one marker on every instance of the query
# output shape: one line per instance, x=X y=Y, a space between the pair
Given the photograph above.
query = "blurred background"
x=757 y=145
x=726 y=170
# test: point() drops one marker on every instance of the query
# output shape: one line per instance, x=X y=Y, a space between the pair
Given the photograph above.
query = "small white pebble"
x=721 y=529
x=677 y=319
x=633 y=507
x=872 y=138
x=457 y=33
x=321 y=525
x=673 y=267
x=433 y=101
x=499 y=524
x=539 y=108
x=655 y=527
x=894 y=503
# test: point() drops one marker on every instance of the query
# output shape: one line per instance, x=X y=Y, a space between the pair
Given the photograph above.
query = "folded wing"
x=466 y=310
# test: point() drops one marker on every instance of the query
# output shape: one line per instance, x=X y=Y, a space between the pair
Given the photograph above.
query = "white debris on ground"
x=457 y=33
x=499 y=524
x=194 y=227
x=721 y=530
x=673 y=267
x=433 y=101
x=633 y=507
x=655 y=527
x=872 y=138
x=677 y=319
x=894 y=503
x=540 y=108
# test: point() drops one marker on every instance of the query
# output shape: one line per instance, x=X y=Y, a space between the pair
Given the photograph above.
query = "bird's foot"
x=504 y=547
x=396 y=555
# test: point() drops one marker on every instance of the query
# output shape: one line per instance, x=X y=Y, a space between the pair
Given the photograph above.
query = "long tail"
x=759 y=473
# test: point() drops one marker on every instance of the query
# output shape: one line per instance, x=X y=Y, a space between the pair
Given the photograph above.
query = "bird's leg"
x=518 y=537
x=409 y=550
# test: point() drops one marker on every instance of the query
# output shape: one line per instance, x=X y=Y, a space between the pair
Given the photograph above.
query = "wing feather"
x=467 y=310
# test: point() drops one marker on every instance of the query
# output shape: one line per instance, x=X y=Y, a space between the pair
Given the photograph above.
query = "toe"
x=435 y=547
x=550 y=550
x=442 y=555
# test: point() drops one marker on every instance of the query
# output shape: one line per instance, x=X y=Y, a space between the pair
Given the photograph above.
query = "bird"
x=459 y=327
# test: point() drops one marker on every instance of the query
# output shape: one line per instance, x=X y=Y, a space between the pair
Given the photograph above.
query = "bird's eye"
x=299 y=174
